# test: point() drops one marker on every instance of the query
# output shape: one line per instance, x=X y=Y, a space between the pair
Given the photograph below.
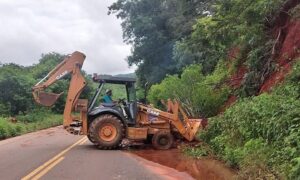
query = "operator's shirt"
x=107 y=99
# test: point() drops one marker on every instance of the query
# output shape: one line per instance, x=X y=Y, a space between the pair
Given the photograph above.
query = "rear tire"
x=162 y=140
x=107 y=132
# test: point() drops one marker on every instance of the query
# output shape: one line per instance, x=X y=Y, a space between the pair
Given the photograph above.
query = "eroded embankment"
x=198 y=168
x=286 y=50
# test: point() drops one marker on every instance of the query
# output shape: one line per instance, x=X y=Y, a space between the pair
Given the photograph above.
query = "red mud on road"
x=197 y=168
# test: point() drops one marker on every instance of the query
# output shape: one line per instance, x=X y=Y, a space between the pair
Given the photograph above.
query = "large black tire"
x=107 y=132
x=91 y=138
x=162 y=140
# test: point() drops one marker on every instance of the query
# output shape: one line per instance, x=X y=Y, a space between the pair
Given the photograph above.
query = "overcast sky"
x=32 y=27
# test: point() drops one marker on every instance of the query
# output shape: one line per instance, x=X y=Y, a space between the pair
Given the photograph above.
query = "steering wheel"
x=122 y=101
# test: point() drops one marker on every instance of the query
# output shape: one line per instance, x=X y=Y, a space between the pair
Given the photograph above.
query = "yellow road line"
x=52 y=160
x=47 y=169
x=84 y=141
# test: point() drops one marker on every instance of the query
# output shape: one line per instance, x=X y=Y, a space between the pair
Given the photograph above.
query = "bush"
x=197 y=93
x=260 y=135
x=24 y=125
x=3 y=128
x=197 y=151
x=8 y=129
x=295 y=171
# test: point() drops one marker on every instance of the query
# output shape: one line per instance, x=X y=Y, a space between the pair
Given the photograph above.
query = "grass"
x=25 y=125
x=199 y=151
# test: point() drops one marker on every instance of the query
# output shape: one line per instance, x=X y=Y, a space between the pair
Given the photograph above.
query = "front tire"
x=107 y=132
x=162 y=140
x=90 y=137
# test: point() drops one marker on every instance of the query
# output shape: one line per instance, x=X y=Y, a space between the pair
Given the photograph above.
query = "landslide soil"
x=205 y=168
x=285 y=31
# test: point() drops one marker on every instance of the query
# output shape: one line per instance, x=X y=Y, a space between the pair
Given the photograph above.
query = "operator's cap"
x=108 y=91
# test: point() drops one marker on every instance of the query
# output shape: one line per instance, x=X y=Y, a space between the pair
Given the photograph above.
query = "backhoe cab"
x=125 y=109
x=106 y=125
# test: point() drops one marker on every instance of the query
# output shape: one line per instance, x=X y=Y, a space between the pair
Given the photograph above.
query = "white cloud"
x=32 y=27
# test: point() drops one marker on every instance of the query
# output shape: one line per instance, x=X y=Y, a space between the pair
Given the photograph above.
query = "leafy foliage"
x=153 y=27
x=295 y=12
x=16 y=82
x=15 y=93
x=28 y=123
x=265 y=127
x=195 y=92
x=169 y=35
x=233 y=23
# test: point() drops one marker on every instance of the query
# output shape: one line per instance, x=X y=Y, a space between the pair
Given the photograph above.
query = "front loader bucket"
x=46 y=99
x=195 y=125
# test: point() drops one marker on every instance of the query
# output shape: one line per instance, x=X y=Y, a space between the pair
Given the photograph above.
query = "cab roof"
x=112 y=79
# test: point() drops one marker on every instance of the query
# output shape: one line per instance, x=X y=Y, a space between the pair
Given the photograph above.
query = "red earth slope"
x=286 y=31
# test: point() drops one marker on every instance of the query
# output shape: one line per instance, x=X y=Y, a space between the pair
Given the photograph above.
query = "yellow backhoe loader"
x=107 y=124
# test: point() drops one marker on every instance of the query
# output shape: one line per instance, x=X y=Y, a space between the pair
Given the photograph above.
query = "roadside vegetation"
x=260 y=135
x=234 y=62
x=198 y=94
x=10 y=127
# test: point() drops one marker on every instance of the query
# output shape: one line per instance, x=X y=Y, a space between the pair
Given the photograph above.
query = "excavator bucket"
x=45 y=98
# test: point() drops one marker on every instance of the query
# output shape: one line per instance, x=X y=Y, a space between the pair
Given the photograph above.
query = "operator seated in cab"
x=107 y=98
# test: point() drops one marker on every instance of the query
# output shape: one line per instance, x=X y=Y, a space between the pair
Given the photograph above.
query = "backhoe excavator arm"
x=70 y=65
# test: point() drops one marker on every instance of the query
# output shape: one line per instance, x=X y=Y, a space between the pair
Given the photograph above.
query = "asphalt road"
x=55 y=154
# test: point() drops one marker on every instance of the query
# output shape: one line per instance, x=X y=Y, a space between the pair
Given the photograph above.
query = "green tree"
x=16 y=82
x=15 y=89
x=233 y=24
x=153 y=27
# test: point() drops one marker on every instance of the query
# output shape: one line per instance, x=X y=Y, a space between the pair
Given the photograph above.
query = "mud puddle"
x=198 y=168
